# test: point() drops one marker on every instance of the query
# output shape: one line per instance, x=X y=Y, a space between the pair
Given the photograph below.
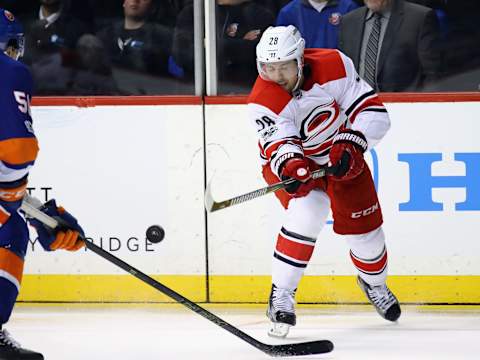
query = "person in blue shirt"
x=317 y=20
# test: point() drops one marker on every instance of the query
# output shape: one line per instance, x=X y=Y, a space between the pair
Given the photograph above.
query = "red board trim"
x=92 y=101
x=385 y=97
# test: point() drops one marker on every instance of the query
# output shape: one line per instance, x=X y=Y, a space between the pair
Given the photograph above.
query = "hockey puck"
x=155 y=234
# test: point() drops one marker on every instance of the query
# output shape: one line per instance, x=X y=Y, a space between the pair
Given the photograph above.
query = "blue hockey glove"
x=65 y=236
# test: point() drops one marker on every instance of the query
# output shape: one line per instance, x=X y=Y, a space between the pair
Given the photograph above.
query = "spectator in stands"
x=240 y=24
x=178 y=5
x=393 y=44
x=92 y=74
x=135 y=42
x=53 y=28
x=52 y=34
x=317 y=20
x=273 y=5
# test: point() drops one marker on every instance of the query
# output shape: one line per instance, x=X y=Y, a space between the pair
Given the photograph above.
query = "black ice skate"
x=382 y=299
x=281 y=311
x=11 y=350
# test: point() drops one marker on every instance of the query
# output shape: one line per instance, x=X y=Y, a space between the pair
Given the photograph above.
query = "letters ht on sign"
x=422 y=182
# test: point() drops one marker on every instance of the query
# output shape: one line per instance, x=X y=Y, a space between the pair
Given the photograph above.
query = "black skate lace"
x=6 y=339
x=381 y=297
x=283 y=300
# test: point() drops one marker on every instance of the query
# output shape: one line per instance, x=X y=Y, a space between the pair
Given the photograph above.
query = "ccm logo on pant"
x=365 y=212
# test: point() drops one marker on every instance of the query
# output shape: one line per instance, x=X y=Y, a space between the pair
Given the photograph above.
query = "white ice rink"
x=154 y=332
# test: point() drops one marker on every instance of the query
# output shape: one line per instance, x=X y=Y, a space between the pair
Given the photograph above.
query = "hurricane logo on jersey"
x=319 y=120
x=318 y=128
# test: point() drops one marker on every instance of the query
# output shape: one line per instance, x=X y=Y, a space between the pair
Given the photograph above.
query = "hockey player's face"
x=137 y=8
x=283 y=73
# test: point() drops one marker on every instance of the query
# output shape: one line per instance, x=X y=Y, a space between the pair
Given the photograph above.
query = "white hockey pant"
x=304 y=219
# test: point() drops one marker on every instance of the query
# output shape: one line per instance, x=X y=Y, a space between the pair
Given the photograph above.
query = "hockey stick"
x=212 y=205
x=32 y=208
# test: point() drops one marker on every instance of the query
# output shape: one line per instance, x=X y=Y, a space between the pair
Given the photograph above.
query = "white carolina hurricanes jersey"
x=332 y=97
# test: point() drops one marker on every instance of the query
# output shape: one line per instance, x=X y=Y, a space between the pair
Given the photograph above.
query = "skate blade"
x=278 y=330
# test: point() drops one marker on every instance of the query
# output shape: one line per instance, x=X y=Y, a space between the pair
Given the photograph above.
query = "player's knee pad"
x=307 y=215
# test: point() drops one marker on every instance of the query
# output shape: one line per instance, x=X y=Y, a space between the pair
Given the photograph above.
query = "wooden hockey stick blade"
x=212 y=205
x=31 y=206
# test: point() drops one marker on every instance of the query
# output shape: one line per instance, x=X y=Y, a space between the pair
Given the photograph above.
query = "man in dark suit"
x=393 y=44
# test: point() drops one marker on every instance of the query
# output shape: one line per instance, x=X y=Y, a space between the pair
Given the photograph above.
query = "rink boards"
x=121 y=168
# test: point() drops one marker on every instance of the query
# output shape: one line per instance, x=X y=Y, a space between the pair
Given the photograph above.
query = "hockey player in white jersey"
x=311 y=109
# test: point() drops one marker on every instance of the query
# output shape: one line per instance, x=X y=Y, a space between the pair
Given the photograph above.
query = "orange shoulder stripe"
x=270 y=95
x=11 y=264
x=19 y=151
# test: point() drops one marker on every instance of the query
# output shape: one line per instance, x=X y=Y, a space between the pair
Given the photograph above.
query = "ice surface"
x=148 y=332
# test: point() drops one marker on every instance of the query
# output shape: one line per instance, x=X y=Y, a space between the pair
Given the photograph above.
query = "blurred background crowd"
x=146 y=47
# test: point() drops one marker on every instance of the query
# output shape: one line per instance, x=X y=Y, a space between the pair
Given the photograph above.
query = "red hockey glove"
x=297 y=168
x=346 y=154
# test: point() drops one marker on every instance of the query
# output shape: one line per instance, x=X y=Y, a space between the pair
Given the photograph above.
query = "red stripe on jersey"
x=297 y=251
x=370 y=267
x=374 y=101
x=273 y=147
x=318 y=149
x=325 y=64
x=270 y=95
x=262 y=151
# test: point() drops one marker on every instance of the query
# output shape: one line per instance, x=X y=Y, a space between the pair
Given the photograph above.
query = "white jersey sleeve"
x=361 y=104
x=272 y=117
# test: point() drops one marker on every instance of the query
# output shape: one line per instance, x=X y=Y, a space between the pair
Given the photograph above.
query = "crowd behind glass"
x=146 y=47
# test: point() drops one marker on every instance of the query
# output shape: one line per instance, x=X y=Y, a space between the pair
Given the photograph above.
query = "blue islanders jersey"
x=18 y=151
x=18 y=144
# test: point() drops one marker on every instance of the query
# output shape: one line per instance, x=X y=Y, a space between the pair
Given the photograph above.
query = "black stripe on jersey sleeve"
x=268 y=143
x=356 y=102
x=374 y=110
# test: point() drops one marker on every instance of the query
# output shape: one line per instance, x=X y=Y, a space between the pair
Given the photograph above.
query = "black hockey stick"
x=32 y=208
x=212 y=205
